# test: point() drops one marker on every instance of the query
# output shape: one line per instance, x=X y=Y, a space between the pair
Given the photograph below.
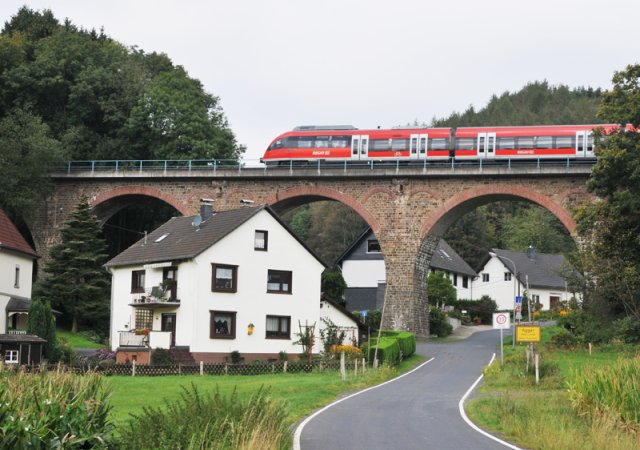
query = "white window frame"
x=12 y=357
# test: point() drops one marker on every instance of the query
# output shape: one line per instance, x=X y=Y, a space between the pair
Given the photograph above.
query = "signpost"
x=501 y=322
x=528 y=333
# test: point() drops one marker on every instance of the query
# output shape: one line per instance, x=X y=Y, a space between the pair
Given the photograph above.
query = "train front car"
x=310 y=143
x=345 y=143
x=530 y=142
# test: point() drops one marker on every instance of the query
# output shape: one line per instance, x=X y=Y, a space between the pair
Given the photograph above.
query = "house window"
x=11 y=357
x=465 y=282
x=137 y=281
x=222 y=325
x=261 y=240
x=373 y=246
x=455 y=279
x=16 y=280
x=507 y=276
x=279 y=281
x=278 y=327
x=224 y=278
x=144 y=318
x=485 y=277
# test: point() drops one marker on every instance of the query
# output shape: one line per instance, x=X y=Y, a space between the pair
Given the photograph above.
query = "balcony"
x=154 y=339
x=16 y=331
x=156 y=297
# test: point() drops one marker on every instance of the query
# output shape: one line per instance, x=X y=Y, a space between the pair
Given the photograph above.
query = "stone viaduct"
x=409 y=209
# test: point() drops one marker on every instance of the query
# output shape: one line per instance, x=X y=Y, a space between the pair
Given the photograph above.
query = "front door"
x=359 y=146
x=486 y=145
x=169 y=324
x=418 y=146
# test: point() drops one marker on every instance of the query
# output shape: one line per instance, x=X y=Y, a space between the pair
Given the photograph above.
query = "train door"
x=359 y=146
x=486 y=145
x=418 y=146
x=584 y=144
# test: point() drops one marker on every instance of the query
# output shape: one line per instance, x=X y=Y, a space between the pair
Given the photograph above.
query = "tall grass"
x=610 y=392
x=53 y=409
x=215 y=421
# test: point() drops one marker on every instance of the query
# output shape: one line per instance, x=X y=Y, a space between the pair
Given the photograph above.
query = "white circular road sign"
x=501 y=320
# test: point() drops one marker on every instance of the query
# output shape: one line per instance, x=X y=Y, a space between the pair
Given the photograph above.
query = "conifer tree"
x=42 y=323
x=77 y=283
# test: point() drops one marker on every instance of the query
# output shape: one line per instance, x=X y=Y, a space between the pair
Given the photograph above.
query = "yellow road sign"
x=528 y=333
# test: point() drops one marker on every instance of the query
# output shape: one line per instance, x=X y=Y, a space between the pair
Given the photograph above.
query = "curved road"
x=417 y=411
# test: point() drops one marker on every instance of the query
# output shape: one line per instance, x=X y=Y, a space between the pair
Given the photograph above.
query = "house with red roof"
x=16 y=277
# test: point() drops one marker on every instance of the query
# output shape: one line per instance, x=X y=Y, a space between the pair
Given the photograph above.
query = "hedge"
x=406 y=340
x=388 y=350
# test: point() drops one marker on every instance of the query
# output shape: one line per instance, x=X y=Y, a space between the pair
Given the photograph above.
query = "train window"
x=565 y=142
x=322 y=142
x=379 y=145
x=525 y=142
x=590 y=143
x=340 y=141
x=544 y=141
x=481 y=144
x=399 y=144
x=423 y=145
x=439 y=144
x=505 y=143
x=305 y=142
x=466 y=144
x=276 y=144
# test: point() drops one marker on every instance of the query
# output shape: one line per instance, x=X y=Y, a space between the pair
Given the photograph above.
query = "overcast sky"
x=276 y=64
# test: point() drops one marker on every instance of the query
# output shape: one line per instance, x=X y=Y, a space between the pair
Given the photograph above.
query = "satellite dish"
x=197 y=220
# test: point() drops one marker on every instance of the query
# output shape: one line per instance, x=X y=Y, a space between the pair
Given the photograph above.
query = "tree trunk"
x=74 y=325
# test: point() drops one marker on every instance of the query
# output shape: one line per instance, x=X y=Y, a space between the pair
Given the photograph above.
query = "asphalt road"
x=417 y=411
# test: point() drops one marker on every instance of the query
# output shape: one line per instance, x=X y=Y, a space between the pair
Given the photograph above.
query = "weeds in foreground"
x=199 y=421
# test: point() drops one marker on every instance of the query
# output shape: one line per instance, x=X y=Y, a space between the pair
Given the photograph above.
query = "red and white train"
x=341 y=143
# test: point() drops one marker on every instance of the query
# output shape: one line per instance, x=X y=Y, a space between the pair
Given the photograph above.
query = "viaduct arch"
x=408 y=213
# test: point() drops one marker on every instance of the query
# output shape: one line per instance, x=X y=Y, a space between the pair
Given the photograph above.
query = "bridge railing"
x=209 y=166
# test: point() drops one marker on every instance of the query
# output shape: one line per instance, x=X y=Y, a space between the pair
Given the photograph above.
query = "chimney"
x=206 y=208
x=531 y=252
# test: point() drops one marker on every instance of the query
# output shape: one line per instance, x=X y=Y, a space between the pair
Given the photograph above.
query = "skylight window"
x=162 y=238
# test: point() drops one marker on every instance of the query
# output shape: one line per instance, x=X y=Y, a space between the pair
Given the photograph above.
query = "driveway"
x=417 y=411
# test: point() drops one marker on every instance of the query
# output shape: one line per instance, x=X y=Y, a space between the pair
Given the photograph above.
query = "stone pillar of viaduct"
x=408 y=215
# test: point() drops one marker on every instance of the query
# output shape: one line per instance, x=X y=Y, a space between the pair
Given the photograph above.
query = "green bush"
x=199 y=421
x=483 y=308
x=162 y=357
x=563 y=339
x=406 y=340
x=586 y=327
x=627 y=330
x=388 y=350
x=53 y=409
x=439 y=324
x=373 y=319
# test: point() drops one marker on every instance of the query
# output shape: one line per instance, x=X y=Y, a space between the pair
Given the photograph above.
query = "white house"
x=363 y=270
x=16 y=277
x=544 y=274
x=213 y=284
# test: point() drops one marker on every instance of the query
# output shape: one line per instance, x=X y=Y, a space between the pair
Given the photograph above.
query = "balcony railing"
x=154 y=339
x=17 y=332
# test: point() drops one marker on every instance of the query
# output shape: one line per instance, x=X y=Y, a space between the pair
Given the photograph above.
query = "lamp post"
x=515 y=281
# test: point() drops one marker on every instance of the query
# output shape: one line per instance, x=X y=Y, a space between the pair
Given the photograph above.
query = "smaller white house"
x=506 y=274
x=213 y=284
x=363 y=270
x=16 y=277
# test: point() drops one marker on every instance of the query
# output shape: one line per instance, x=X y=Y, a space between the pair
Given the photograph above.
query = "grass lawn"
x=77 y=340
x=303 y=393
x=510 y=404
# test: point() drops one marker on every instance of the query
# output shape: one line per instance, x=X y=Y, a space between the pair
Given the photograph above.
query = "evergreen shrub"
x=388 y=350
x=406 y=340
x=439 y=324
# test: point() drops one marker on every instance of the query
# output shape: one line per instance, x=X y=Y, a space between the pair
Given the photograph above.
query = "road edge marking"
x=298 y=432
x=473 y=425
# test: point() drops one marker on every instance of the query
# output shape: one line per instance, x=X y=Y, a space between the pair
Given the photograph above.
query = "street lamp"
x=515 y=280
